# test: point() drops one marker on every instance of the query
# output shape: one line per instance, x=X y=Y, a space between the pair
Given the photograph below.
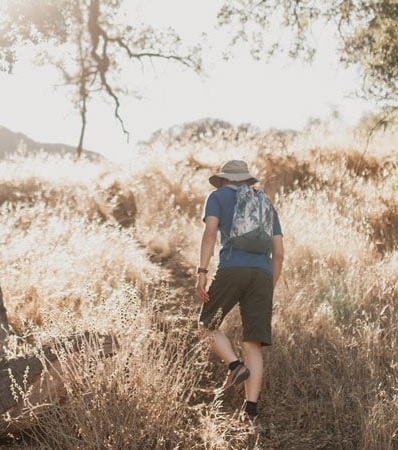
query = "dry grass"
x=107 y=250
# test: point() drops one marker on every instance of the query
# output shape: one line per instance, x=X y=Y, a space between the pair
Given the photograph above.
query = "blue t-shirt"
x=220 y=203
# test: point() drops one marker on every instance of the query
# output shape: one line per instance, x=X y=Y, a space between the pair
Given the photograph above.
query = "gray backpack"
x=252 y=221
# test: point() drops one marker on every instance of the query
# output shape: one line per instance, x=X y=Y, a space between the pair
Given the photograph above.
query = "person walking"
x=242 y=278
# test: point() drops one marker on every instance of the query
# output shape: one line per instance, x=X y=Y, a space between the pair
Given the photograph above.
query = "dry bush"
x=25 y=192
x=384 y=228
x=380 y=424
x=56 y=262
x=60 y=182
x=361 y=164
x=352 y=162
x=169 y=207
x=284 y=174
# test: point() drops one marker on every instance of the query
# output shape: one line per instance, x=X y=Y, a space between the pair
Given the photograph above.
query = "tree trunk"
x=3 y=323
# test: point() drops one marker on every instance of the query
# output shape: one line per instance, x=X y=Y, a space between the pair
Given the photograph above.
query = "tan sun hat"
x=233 y=171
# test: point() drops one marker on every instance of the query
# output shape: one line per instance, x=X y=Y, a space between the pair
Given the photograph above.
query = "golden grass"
x=103 y=249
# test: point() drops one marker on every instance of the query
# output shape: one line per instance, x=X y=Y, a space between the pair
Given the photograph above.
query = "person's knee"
x=250 y=346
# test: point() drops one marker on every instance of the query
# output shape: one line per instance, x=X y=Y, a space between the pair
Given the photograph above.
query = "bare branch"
x=122 y=44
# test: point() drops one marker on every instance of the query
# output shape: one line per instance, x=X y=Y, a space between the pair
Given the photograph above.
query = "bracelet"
x=201 y=270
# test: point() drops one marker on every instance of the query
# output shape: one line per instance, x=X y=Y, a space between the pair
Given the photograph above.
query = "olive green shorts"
x=252 y=289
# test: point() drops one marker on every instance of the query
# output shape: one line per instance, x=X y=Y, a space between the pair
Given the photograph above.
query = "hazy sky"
x=282 y=94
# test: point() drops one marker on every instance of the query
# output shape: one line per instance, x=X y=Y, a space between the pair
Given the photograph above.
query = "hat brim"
x=216 y=180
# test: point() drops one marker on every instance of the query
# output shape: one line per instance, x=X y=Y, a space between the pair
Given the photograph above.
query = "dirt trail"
x=183 y=304
x=181 y=300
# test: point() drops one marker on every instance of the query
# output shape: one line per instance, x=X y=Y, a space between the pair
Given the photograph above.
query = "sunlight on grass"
x=93 y=247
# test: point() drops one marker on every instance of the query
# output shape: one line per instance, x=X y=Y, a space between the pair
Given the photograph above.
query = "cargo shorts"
x=249 y=287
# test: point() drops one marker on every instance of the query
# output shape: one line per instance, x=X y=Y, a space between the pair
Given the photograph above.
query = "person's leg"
x=253 y=358
x=237 y=371
x=224 y=292
x=221 y=346
x=256 y=312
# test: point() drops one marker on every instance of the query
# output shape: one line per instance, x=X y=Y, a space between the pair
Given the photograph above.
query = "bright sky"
x=281 y=94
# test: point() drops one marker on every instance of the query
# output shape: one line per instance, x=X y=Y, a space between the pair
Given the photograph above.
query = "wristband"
x=201 y=270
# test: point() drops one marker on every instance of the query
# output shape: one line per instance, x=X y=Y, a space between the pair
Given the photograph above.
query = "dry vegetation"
x=92 y=247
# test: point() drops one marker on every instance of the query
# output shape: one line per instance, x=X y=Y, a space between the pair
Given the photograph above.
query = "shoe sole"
x=240 y=378
x=237 y=380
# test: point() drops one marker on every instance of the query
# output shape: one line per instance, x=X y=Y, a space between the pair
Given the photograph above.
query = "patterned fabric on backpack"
x=252 y=221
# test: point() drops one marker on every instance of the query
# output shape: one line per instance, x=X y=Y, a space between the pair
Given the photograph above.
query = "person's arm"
x=209 y=238
x=277 y=257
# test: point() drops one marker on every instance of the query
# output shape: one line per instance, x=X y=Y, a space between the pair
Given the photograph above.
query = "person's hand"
x=201 y=292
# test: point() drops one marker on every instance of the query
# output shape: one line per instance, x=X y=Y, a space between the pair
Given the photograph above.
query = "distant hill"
x=12 y=142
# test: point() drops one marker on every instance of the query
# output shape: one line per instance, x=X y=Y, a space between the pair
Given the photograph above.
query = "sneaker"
x=247 y=419
x=252 y=424
x=234 y=377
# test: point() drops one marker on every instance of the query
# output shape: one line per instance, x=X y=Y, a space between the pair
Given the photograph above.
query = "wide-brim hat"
x=232 y=171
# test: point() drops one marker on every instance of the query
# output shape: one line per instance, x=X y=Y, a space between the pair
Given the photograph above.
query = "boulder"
x=35 y=381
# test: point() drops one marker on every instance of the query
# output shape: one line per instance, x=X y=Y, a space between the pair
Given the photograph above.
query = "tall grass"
x=71 y=262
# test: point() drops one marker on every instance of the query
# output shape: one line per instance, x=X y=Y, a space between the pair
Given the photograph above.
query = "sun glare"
x=279 y=93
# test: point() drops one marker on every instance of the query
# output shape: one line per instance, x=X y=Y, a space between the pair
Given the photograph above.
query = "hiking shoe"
x=234 y=377
x=251 y=424
x=247 y=419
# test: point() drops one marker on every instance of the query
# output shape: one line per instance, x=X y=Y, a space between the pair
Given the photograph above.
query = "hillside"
x=13 y=142
x=114 y=250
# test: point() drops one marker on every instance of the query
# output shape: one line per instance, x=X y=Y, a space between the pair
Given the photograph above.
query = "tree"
x=89 y=41
x=367 y=31
x=374 y=45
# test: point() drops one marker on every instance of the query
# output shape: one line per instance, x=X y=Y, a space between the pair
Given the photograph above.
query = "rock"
x=36 y=380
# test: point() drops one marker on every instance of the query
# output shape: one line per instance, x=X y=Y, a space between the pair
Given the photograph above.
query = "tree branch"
x=100 y=64
x=122 y=44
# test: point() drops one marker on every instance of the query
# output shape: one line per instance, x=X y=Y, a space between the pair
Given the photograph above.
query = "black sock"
x=234 y=364
x=251 y=408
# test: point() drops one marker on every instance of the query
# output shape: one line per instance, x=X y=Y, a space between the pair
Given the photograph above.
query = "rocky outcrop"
x=34 y=381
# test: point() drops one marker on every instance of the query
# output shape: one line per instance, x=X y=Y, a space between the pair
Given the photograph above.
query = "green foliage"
x=272 y=26
x=374 y=45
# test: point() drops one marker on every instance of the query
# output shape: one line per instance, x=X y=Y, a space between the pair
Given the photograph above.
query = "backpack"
x=252 y=221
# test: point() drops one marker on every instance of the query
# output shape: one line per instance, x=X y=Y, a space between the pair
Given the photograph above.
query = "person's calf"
x=254 y=361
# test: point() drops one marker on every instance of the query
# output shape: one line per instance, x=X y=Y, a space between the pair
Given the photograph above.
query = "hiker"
x=242 y=277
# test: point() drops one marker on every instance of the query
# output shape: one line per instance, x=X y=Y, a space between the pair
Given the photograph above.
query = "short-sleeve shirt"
x=220 y=203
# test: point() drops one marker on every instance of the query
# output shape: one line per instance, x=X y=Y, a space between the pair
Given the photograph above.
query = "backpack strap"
x=234 y=187
x=222 y=231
